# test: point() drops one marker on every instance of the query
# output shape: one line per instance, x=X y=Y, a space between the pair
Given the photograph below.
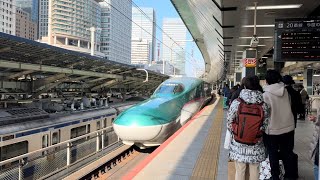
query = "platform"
x=196 y=150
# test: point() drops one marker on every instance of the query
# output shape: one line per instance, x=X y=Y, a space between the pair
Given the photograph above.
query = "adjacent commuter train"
x=152 y=121
x=26 y=130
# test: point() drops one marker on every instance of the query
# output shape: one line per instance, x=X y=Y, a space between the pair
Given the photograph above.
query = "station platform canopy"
x=223 y=29
x=50 y=66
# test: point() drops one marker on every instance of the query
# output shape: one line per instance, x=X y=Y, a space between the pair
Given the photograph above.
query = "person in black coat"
x=295 y=98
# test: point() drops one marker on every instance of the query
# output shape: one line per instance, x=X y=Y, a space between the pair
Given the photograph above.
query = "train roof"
x=55 y=120
x=188 y=82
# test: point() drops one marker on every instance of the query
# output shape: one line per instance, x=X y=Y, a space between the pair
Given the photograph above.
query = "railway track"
x=119 y=165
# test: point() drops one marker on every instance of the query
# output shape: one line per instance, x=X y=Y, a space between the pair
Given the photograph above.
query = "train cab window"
x=45 y=141
x=98 y=125
x=13 y=150
x=55 y=138
x=170 y=88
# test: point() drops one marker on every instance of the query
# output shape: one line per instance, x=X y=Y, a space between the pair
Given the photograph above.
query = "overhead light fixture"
x=248 y=45
x=240 y=51
x=261 y=25
x=264 y=57
x=287 y=6
x=260 y=37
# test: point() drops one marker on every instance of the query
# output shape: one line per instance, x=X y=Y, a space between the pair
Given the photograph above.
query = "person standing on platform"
x=246 y=146
x=236 y=94
x=304 y=98
x=279 y=135
x=226 y=94
x=295 y=98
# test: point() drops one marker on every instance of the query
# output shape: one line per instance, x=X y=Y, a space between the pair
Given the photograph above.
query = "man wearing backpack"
x=279 y=135
x=247 y=118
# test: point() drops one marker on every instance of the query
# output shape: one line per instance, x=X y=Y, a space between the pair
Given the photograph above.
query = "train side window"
x=55 y=138
x=13 y=150
x=98 y=125
x=45 y=142
x=88 y=129
x=78 y=131
x=6 y=138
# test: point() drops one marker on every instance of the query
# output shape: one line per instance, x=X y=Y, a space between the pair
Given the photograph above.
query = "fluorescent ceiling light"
x=259 y=37
x=316 y=75
x=261 y=25
x=240 y=51
x=248 y=45
x=288 y=6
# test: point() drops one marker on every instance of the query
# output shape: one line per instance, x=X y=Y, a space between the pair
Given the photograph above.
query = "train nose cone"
x=135 y=128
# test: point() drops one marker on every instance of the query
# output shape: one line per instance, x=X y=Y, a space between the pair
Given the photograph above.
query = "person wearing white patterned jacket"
x=244 y=154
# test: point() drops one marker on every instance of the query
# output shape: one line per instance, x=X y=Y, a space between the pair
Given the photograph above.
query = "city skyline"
x=75 y=38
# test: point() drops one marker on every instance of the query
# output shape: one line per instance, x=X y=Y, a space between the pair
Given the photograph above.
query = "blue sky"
x=165 y=9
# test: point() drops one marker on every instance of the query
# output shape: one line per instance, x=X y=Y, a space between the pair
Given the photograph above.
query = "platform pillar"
x=247 y=71
x=308 y=80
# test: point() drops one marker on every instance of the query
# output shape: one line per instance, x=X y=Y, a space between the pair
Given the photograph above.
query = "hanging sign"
x=249 y=62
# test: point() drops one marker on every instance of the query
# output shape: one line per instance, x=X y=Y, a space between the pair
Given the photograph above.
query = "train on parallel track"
x=152 y=121
x=24 y=130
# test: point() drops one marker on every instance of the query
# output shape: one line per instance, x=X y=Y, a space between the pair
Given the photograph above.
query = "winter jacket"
x=314 y=146
x=242 y=152
x=236 y=94
x=304 y=96
x=281 y=118
x=296 y=104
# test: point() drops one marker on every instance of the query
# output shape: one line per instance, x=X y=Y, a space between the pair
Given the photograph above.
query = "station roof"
x=20 y=56
x=221 y=26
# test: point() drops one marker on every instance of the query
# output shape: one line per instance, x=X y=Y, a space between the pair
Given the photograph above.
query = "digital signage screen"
x=297 y=40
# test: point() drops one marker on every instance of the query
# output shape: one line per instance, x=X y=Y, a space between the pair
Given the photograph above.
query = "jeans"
x=280 y=147
x=316 y=172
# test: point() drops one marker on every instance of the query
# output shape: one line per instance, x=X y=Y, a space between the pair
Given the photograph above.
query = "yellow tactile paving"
x=207 y=163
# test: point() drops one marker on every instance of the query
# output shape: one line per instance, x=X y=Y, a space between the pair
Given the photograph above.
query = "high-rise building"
x=31 y=7
x=140 y=51
x=145 y=18
x=116 y=30
x=8 y=17
x=25 y=27
x=174 y=54
x=43 y=18
x=69 y=25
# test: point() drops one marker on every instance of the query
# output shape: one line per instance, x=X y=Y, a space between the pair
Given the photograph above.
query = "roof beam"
x=48 y=87
x=108 y=83
x=19 y=74
x=43 y=82
x=39 y=67
x=96 y=80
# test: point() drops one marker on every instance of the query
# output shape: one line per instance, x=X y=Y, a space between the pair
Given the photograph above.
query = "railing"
x=48 y=161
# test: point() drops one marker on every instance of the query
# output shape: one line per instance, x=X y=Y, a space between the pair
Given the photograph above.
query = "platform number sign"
x=297 y=40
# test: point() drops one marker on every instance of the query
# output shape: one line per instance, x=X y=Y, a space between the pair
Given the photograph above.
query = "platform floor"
x=196 y=150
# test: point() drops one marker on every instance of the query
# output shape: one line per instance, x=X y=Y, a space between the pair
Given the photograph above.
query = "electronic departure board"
x=297 y=40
